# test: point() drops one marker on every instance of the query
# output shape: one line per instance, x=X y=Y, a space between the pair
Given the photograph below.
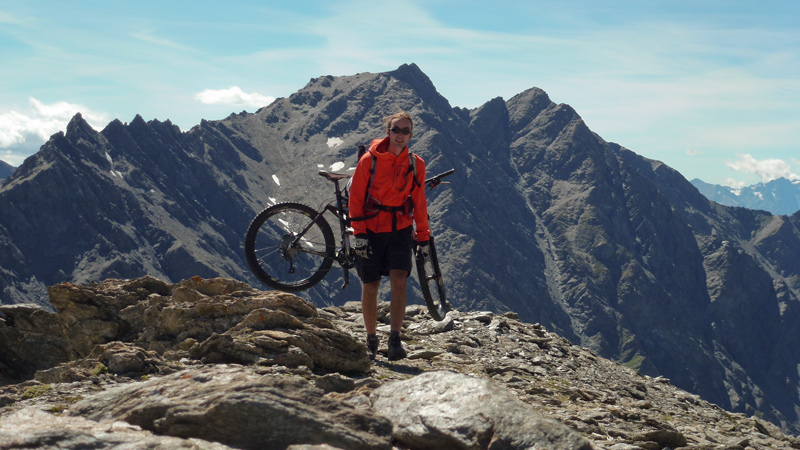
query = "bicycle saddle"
x=334 y=176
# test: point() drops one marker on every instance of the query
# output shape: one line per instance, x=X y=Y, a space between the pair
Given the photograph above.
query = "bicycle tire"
x=431 y=283
x=289 y=269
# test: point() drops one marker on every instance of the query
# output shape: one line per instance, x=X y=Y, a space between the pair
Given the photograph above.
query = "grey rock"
x=312 y=447
x=449 y=410
x=434 y=326
x=424 y=354
x=214 y=320
x=234 y=406
x=334 y=382
x=33 y=428
x=665 y=438
x=31 y=339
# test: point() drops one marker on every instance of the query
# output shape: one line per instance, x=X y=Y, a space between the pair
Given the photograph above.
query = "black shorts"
x=390 y=251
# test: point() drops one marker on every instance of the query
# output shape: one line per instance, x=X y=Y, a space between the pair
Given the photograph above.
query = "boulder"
x=211 y=320
x=235 y=406
x=444 y=409
x=33 y=428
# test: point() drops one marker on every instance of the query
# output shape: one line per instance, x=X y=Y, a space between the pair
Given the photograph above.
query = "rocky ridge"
x=208 y=363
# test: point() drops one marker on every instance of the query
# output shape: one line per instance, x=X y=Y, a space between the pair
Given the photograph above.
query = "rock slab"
x=444 y=409
x=235 y=406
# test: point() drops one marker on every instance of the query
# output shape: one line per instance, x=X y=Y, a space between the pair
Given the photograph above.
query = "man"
x=384 y=204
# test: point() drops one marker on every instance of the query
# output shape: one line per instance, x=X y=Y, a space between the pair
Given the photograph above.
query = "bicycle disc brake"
x=288 y=249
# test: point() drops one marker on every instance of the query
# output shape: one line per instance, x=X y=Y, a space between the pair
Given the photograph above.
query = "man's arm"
x=421 y=203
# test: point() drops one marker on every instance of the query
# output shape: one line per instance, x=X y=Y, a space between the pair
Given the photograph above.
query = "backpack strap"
x=371 y=174
x=412 y=160
x=366 y=192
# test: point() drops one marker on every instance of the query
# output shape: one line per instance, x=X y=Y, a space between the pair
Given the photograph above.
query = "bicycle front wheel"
x=431 y=282
x=289 y=247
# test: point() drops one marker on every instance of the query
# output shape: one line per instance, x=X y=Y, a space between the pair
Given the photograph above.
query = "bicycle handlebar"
x=437 y=179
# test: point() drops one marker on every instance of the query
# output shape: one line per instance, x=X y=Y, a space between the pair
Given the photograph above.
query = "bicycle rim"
x=431 y=283
x=278 y=258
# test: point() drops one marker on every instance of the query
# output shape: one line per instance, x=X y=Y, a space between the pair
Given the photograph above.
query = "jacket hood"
x=380 y=148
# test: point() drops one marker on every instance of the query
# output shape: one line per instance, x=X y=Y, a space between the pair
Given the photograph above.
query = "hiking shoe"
x=372 y=345
x=396 y=350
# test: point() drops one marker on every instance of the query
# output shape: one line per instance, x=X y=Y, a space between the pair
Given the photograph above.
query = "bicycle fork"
x=346 y=257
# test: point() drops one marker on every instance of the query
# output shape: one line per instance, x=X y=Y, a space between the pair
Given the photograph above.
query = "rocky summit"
x=217 y=364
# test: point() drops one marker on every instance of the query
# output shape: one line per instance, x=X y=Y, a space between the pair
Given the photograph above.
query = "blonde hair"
x=398 y=115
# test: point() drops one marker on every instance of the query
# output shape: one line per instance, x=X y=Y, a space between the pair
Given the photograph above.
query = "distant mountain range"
x=780 y=196
x=6 y=170
x=615 y=252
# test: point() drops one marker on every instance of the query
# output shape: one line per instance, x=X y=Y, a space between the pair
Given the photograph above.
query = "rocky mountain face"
x=616 y=253
x=216 y=364
x=779 y=196
x=5 y=170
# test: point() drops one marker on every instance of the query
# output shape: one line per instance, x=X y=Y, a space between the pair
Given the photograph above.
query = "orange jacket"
x=391 y=185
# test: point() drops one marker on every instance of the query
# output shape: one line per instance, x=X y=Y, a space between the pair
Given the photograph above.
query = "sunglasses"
x=397 y=130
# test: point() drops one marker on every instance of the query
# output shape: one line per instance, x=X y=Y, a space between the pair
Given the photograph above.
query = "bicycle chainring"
x=345 y=261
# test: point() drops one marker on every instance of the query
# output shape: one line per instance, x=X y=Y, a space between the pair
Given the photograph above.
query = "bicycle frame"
x=344 y=255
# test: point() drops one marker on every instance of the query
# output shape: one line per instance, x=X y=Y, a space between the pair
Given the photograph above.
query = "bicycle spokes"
x=288 y=247
x=431 y=282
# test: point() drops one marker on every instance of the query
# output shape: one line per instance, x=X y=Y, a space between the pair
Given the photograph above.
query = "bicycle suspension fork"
x=345 y=256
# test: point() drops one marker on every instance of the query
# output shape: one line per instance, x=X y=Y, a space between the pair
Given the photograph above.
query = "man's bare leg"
x=397 y=310
x=369 y=309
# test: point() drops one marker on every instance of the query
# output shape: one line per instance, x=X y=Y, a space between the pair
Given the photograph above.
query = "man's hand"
x=423 y=248
x=361 y=246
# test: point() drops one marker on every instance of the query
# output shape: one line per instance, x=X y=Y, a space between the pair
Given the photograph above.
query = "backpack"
x=374 y=205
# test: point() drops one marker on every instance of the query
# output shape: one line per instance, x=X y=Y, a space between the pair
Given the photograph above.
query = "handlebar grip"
x=440 y=176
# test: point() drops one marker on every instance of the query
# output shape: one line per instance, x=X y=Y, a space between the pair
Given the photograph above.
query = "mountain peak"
x=138 y=121
x=408 y=70
x=77 y=125
x=419 y=82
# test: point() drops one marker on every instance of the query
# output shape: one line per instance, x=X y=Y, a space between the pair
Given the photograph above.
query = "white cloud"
x=233 y=96
x=766 y=169
x=32 y=126
x=147 y=36
x=734 y=183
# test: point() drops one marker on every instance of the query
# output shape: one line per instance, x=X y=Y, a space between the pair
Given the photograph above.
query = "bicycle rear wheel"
x=431 y=282
x=289 y=247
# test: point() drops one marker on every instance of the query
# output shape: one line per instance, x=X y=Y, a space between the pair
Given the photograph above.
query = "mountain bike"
x=291 y=247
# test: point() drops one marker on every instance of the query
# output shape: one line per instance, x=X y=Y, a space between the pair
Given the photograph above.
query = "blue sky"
x=711 y=88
